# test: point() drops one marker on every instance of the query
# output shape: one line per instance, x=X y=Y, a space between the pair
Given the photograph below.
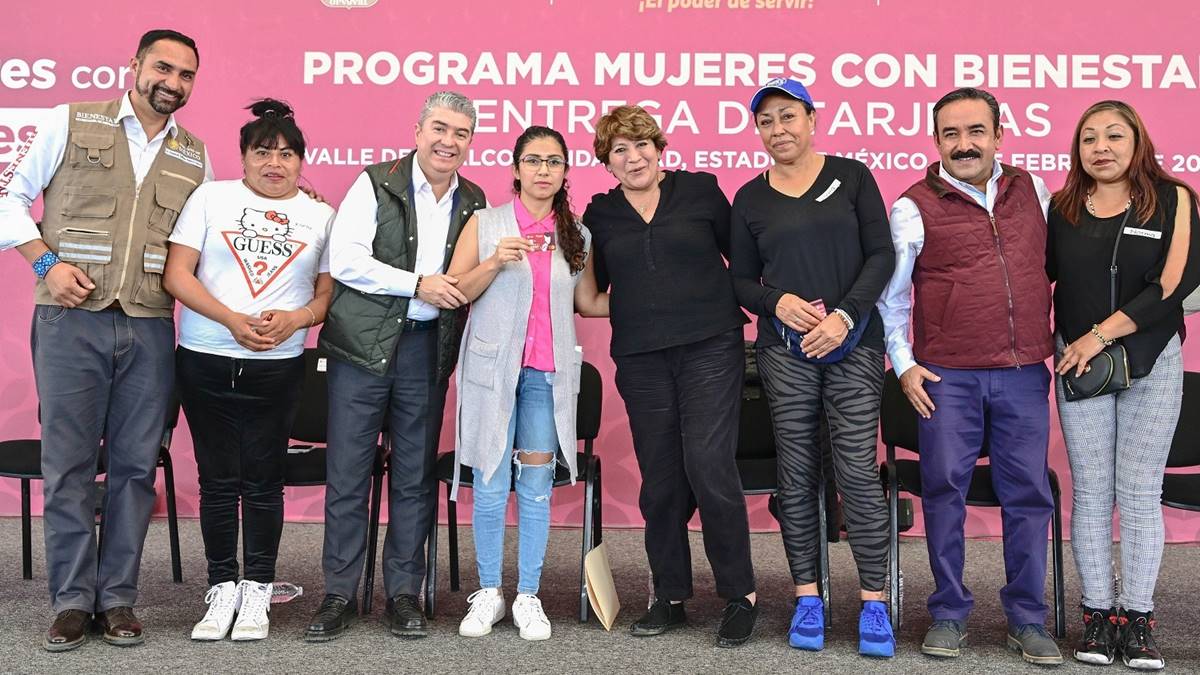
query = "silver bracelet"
x=845 y=317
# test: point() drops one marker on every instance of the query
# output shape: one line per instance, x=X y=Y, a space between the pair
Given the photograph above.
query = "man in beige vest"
x=114 y=176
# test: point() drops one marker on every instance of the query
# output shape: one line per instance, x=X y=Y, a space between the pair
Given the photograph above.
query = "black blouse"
x=670 y=285
x=1078 y=257
x=833 y=243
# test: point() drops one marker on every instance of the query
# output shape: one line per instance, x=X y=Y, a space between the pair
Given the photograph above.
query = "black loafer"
x=69 y=630
x=333 y=617
x=662 y=616
x=737 y=623
x=404 y=617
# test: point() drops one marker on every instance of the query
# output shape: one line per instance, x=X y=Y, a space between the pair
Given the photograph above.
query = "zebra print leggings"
x=849 y=391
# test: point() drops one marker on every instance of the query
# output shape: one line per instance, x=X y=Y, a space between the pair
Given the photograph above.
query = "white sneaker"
x=487 y=608
x=252 y=622
x=223 y=600
x=529 y=617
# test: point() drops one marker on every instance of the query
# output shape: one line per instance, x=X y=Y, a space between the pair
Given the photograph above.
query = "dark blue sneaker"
x=875 y=636
x=808 y=624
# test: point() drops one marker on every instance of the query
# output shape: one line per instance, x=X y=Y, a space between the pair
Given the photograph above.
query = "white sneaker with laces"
x=223 y=600
x=487 y=608
x=252 y=622
x=529 y=617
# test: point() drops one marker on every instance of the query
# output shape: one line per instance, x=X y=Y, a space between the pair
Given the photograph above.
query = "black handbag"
x=1108 y=371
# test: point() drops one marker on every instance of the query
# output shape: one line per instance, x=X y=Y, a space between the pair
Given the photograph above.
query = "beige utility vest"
x=98 y=218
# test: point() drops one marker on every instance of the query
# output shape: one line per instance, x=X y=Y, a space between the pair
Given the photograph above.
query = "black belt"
x=414 y=326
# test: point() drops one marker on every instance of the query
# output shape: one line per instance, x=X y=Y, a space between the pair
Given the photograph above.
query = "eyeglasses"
x=553 y=163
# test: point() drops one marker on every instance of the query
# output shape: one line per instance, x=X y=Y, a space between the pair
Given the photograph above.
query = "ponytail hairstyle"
x=570 y=239
x=272 y=119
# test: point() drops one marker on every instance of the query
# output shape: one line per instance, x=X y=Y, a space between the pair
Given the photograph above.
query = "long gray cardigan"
x=494 y=345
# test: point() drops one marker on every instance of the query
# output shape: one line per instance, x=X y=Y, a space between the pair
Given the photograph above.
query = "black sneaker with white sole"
x=1137 y=640
x=1099 y=642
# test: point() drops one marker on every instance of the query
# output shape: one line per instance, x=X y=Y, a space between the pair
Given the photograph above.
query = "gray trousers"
x=411 y=399
x=1118 y=446
x=100 y=376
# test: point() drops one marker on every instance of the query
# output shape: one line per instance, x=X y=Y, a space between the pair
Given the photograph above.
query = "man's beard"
x=160 y=106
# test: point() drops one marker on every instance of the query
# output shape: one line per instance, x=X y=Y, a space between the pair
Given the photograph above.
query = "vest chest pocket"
x=92 y=151
x=481 y=362
x=90 y=251
x=150 y=291
x=168 y=202
x=88 y=203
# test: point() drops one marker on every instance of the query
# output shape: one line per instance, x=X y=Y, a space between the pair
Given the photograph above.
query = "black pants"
x=684 y=405
x=240 y=412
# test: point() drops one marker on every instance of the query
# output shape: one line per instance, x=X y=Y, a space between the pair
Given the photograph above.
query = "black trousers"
x=684 y=405
x=240 y=412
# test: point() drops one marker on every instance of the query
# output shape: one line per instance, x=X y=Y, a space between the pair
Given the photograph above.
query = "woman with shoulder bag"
x=812 y=252
x=1122 y=249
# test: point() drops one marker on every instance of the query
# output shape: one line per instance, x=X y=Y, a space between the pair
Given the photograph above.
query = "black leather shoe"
x=660 y=618
x=333 y=617
x=737 y=623
x=120 y=627
x=68 y=631
x=404 y=617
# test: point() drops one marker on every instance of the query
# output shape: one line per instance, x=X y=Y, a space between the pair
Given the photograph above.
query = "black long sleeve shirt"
x=669 y=283
x=1078 y=258
x=833 y=243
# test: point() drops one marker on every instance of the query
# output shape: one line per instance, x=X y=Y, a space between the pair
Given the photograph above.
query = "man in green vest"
x=393 y=330
x=114 y=176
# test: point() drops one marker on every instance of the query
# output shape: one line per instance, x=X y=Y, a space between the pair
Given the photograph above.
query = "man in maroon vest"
x=970 y=238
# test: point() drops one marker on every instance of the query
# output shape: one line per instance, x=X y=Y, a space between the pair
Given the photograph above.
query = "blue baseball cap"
x=788 y=86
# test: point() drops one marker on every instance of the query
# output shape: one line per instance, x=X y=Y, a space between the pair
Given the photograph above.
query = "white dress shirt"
x=908 y=238
x=24 y=180
x=352 y=258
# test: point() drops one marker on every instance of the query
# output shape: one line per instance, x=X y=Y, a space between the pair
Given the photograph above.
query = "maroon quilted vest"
x=982 y=296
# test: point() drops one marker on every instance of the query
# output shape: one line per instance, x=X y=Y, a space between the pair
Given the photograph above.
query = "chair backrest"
x=1185 y=448
x=313 y=414
x=897 y=417
x=590 y=403
x=756 y=434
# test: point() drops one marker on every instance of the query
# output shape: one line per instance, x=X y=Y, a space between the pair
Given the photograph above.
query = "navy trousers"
x=1009 y=407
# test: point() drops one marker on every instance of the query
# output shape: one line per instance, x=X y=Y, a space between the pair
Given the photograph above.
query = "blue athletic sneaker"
x=808 y=624
x=875 y=636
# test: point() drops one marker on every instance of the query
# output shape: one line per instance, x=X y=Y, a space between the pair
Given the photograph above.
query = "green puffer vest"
x=362 y=328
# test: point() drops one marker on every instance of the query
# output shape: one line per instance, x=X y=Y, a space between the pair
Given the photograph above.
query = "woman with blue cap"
x=811 y=253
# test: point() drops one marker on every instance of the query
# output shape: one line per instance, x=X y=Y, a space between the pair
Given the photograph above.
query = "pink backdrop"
x=357 y=70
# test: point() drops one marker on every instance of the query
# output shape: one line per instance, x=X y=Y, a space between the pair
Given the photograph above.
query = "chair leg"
x=452 y=542
x=172 y=516
x=894 y=553
x=823 y=558
x=589 y=514
x=26 y=531
x=373 y=516
x=1060 y=609
x=431 y=562
x=597 y=506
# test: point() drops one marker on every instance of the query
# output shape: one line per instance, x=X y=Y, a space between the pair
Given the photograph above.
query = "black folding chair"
x=305 y=465
x=1182 y=490
x=587 y=427
x=898 y=426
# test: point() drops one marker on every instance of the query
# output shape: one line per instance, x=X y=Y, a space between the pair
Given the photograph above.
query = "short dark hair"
x=965 y=94
x=272 y=118
x=157 y=34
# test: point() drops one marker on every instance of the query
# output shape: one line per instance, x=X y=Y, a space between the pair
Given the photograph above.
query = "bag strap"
x=1112 y=267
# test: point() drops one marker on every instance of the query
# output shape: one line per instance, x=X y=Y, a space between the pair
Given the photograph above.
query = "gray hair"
x=450 y=100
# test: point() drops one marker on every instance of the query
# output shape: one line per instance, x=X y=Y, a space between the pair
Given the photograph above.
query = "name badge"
x=1139 y=232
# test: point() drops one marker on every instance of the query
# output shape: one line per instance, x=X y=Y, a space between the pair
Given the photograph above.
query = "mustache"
x=966 y=154
x=166 y=90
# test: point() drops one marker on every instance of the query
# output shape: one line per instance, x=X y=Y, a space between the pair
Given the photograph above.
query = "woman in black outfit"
x=1118 y=444
x=658 y=239
x=812 y=252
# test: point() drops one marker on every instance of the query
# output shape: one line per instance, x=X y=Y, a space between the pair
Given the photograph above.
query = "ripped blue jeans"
x=531 y=430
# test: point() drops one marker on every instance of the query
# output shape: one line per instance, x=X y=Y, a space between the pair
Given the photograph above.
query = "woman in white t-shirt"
x=248 y=261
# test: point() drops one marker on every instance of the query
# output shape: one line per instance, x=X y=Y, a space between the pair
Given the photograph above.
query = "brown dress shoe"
x=120 y=627
x=68 y=631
